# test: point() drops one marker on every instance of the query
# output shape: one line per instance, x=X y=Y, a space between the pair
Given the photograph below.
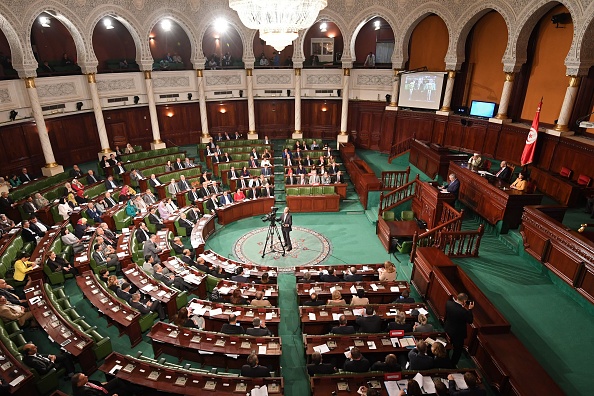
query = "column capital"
x=509 y=76
x=30 y=82
x=297 y=71
x=199 y=73
x=574 y=81
x=346 y=71
x=249 y=72
x=91 y=78
x=451 y=74
x=147 y=74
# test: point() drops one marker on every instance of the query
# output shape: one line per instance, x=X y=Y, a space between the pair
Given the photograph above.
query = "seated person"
x=356 y=363
x=453 y=186
x=504 y=172
x=265 y=280
x=418 y=358
x=253 y=369
x=351 y=275
x=259 y=329
x=471 y=381
x=370 y=322
x=520 y=183
x=10 y=312
x=317 y=367
x=387 y=273
x=399 y=323
x=240 y=276
x=441 y=360
x=81 y=385
x=182 y=319
x=475 y=161
x=232 y=327
x=148 y=307
x=43 y=364
x=404 y=298
x=237 y=298
x=314 y=302
x=169 y=279
x=422 y=326
x=330 y=277
x=390 y=364
x=343 y=327
x=360 y=298
x=58 y=264
x=259 y=301
x=336 y=299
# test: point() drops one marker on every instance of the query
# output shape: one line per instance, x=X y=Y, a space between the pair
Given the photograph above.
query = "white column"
x=393 y=106
x=157 y=143
x=447 y=97
x=205 y=138
x=343 y=137
x=252 y=134
x=51 y=167
x=508 y=85
x=567 y=107
x=103 y=140
x=297 y=134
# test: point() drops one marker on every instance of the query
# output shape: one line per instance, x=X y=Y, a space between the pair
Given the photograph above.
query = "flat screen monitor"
x=482 y=109
x=421 y=90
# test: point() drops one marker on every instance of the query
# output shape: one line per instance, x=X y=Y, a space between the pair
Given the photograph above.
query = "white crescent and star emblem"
x=531 y=136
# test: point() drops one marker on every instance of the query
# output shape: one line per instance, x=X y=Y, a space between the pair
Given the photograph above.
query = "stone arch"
x=143 y=52
x=67 y=18
x=330 y=16
x=182 y=21
x=16 y=48
x=364 y=17
x=232 y=19
x=583 y=44
x=416 y=16
x=456 y=48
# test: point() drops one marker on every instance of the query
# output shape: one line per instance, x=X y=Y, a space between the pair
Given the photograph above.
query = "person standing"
x=287 y=223
x=457 y=318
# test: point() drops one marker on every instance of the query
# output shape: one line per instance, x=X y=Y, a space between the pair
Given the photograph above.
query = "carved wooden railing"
x=429 y=238
x=398 y=196
x=460 y=243
x=395 y=179
x=400 y=148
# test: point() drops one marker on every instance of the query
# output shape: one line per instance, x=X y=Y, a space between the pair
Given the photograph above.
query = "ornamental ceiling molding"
x=60 y=90
x=274 y=79
x=374 y=80
x=216 y=80
x=116 y=85
x=171 y=82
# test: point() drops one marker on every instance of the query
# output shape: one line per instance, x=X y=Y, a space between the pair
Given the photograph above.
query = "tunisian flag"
x=528 y=153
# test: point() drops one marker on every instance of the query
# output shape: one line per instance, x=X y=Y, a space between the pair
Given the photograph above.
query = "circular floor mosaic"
x=309 y=248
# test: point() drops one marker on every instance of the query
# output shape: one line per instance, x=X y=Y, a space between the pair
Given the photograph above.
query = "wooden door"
x=117 y=134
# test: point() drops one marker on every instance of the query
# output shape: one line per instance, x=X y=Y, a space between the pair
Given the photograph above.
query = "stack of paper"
x=321 y=348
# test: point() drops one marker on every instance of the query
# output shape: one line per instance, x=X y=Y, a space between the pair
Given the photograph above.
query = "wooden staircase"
x=400 y=148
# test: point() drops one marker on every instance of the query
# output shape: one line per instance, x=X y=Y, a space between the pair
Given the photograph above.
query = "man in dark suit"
x=339 y=178
x=329 y=277
x=287 y=226
x=119 y=169
x=142 y=233
x=154 y=182
x=185 y=223
x=253 y=162
x=239 y=277
x=29 y=207
x=148 y=307
x=169 y=279
x=92 y=178
x=471 y=382
x=370 y=323
x=179 y=165
x=404 y=298
x=314 y=302
x=232 y=327
x=357 y=363
x=352 y=276
x=233 y=174
x=123 y=292
x=44 y=363
x=5 y=202
x=76 y=172
x=183 y=184
x=102 y=259
x=25 y=176
x=82 y=386
x=154 y=219
x=418 y=358
x=212 y=205
x=457 y=317
x=194 y=214
x=342 y=327
x=389 y=365
x=253 y=193
x=193 y=196
x=93 y=213
x=504 y=172
x=226 y=199
x=268 y=191
x=110 y=184
x=28 y=234
x=259 y=329
x=253 y=369
x=177 y=245
x=317 y=367
x=454 y=185
x=109 y=201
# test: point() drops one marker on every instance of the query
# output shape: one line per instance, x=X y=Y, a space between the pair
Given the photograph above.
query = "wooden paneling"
x=20 y=147
x=320 y=119
x=275 y=118
x=180 y=124
x=136 y=122
x=227 y=116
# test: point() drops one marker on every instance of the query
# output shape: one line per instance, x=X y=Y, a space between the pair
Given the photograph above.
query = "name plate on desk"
x=210 y=385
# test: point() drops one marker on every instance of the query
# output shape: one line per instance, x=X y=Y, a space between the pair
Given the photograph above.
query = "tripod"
x=273 y=230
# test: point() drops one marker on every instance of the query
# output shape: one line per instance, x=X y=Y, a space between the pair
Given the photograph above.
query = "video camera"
x=271 y=217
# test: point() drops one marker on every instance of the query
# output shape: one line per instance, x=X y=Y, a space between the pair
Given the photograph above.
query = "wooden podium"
x=428 y=203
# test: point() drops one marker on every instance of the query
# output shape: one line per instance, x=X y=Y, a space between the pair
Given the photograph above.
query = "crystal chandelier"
x=278 y=20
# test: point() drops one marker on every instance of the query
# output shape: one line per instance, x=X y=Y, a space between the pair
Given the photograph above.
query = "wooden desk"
x=386 y=291
x=324 y=385
x=314 y=203
x=159 y=291
x=190 y=274
x=325 y=319
x=362 y=176
x=561 y=189
x=184 y=382
x=367 y=271
x=15 y=372
x=202 y=230
x=72 y=340
x=229 y=266
x=245 y=314
x=235 y=184
x=248 y=290
x=491 y=201
x=339 y=188
x=213 y=348
x=115 y=311
x=42 y=250
x=565 y=252
x=425 y=259
x=432 y=159
x=241 y=210
x=428 y=203
x=82 y=259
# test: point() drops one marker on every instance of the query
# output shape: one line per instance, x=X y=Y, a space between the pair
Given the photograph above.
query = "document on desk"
x=335 y=316
x=419 y=379
x=353 y=290
x=459 y=379
x=268 y=316
x=262 y=350
x=214 y=312
x=423 y=311
x=268 y=293
x=332 y=289
x=321 y=348
x=359 y=311
x=374 y=286
x=262 y=391
x=224 y=290
x=312 y=316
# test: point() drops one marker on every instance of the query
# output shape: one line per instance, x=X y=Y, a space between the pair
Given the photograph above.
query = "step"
x=371 y=216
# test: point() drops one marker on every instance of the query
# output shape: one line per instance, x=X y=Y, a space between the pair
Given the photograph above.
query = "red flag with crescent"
x=528 y=153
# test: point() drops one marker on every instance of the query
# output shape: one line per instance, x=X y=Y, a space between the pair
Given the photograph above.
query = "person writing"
x=453 y=186
x=520 y=183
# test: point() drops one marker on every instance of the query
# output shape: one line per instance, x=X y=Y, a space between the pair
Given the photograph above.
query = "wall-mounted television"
x=482 y=109
x=421 y=90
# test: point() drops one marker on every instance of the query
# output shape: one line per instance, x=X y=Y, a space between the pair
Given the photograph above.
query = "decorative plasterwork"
x=162 y=82
x=216 y=80
x=56 y=90
x=120 y=84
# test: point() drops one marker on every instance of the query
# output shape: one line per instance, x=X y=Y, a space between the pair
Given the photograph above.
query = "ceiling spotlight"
x=166 y=25
x=107 y=23
x=323 y=26
x=377 y=25
x=44 y=21
x=220 y=25
x=12 y=115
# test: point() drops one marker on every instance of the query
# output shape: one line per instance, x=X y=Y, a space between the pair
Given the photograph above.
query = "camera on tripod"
x=271 y=217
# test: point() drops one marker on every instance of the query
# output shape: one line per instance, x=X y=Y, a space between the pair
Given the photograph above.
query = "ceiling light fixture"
x=278 y=21
x=166 y=25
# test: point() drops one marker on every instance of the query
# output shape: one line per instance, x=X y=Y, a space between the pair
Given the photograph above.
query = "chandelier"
x=278 y=20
